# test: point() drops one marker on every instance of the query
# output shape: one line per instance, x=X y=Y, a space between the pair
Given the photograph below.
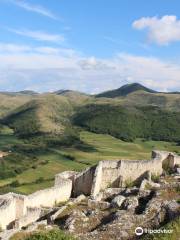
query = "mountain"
x=125 y=90
x=69 y=92
x=123 y=117
x=24 y=92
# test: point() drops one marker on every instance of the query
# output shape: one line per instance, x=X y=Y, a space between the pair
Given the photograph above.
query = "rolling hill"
x=10 y=102
x=129 y=112
x=48 y=114
x=129 y=122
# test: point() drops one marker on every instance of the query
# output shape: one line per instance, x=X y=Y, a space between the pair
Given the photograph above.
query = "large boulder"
x=118 y=201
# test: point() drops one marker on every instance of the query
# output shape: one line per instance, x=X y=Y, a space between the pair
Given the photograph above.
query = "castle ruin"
x=17 y=211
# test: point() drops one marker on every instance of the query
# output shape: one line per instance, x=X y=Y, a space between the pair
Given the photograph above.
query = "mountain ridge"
x=125 y=90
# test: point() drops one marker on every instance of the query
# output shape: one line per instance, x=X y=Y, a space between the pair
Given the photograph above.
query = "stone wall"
x=22 y=210
x=16 y=209
x=11 y=207
x=118 y=173
x=32 y=215
x=65 y=175
x=51 y=196
x=7 y=212
x=83 y=182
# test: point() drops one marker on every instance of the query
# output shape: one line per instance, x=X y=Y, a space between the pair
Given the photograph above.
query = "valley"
x=48 y=133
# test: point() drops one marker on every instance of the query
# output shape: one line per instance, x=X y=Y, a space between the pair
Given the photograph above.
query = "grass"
x=43 y=235
x=175 y=235
x=101 y=147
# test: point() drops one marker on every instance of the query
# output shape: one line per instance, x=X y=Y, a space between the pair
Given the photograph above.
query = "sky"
x=89 y=46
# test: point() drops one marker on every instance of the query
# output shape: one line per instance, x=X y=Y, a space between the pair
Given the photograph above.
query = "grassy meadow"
x=97 y=147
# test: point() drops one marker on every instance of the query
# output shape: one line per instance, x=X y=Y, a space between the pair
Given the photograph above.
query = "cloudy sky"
x=90 y=46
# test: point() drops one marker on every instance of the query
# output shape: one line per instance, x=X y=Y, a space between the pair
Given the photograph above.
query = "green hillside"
x=140 y=98
x=11 y=102
x=129 y=123
x=48 y=114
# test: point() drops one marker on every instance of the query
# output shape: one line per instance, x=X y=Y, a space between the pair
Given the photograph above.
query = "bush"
x=40 y=180
x=155 y=178
x=51 y=235
x=68 y=156
x=15 y=184
x=129 y=183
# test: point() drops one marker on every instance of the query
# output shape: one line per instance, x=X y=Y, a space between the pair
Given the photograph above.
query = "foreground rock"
x=117 y=201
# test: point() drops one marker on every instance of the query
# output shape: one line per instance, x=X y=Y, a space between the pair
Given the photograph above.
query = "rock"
x=71 y=221
x=7 y=234
x=131 y=191
x=178 y=171
x=144 y=193
x=131 y=203
x=91 y=212
x=148 y=184
x=56 y=214
x=148 y=175
x=99 y=196
x=144 y=184
x=117 y=201
x=98 y=204
x=34 y=226
x=173 y=209
x=110 y=193
x=155 y=185
x=80 y=198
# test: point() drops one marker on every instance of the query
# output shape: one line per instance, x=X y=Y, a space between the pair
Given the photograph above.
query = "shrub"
x=68 y=156
x=155 y=178
x=15 y=184
x=51 y=235
x=129 y=183
x=40 y=180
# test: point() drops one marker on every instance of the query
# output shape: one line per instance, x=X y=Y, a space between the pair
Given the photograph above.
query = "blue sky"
x=89 y=46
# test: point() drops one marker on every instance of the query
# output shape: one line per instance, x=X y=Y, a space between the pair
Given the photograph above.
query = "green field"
x=97 y=147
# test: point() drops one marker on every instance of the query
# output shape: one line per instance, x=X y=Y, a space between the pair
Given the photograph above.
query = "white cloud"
x=39 y=35
x=162 y=30
x=10 y=48
x=13 y=48
x=46 y=68
x=34 y=8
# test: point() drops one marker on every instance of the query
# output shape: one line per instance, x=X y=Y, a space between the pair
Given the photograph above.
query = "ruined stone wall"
x=115 y=173
x=64 y=175
x=83 y=182
x=11 y=207
x=96 y=184
x=177 y=160
x=89 y=182
x=51 y=196
x=7 y=212
x=16 y=208
x=32 y=215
